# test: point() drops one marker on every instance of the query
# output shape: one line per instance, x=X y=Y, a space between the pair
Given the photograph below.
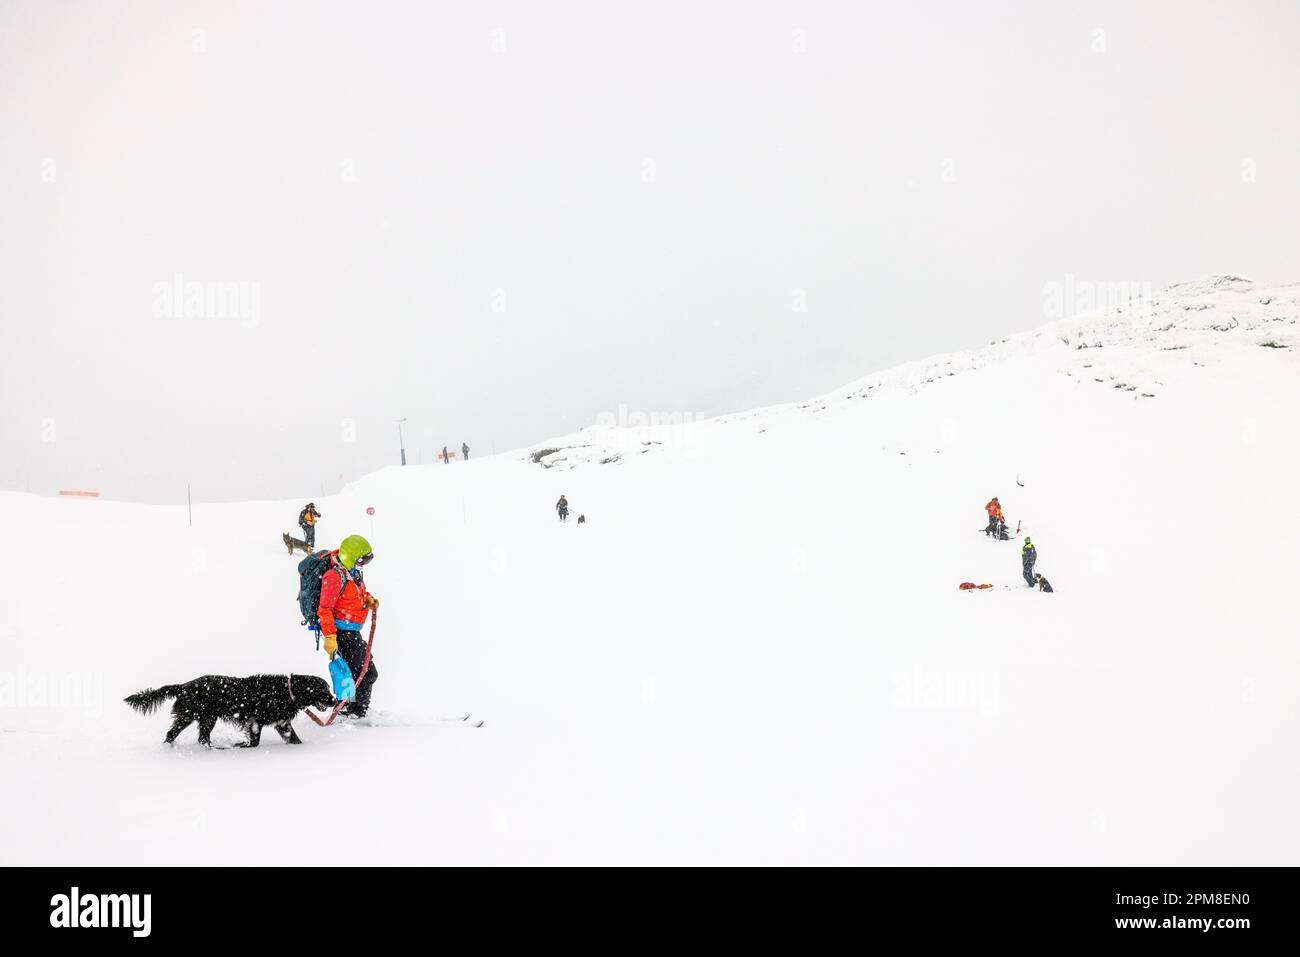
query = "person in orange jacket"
x=344 y=605
x=307 y=522
x=996 y=518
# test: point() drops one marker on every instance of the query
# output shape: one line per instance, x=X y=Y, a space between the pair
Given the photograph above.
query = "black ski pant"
x=309 y=534
x=353 y=649
x=1029 y=572
x=564 y=514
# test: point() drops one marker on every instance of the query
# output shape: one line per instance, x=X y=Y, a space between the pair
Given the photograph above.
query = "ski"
x=389 y=719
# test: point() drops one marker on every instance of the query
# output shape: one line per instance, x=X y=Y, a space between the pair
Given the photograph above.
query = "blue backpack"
x=310 y=571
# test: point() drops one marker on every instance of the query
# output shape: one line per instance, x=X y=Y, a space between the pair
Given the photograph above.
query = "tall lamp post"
x=401 y=443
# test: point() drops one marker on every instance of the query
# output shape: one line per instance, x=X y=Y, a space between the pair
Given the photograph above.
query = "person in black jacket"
x=562 y=506
x=307 y=522
x=464 y=451
x=1028 y=555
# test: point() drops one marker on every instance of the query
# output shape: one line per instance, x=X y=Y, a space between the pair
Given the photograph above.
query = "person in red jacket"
x=344 y=605
x=995 y=517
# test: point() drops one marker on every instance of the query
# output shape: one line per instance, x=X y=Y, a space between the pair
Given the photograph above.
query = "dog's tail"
x=149 y=700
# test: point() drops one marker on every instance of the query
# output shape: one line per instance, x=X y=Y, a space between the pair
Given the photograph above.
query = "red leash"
x=365 y=666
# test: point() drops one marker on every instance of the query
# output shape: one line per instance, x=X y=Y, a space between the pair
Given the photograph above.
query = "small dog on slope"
x=291 y=543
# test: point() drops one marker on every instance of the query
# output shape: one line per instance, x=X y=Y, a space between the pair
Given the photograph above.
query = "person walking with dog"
x=562 y=506
x=307 y=522
x=1028 y=555
x=344 y=605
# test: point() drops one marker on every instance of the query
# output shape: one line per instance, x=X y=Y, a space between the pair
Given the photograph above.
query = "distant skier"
x=307 y=522
x=446 y=458
x=997 y=522
x=562 y=506
x=464 y=451
x=344 y=605
x=1028 y=555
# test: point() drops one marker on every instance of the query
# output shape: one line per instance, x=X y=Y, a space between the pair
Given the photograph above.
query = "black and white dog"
x=247 y=702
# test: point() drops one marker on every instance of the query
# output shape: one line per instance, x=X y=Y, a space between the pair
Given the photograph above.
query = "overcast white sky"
x=501 y=220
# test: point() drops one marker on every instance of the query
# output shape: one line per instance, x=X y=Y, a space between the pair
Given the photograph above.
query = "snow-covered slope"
x=754 y=651
x=1207 y=321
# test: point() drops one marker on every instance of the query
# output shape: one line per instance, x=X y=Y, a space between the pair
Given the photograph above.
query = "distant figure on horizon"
x=464 y=451
x=446 y=459
x=562 y=506
x=307 y=522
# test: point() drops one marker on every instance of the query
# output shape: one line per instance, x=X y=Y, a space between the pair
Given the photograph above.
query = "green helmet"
x=1027 y=541
x=354 y=550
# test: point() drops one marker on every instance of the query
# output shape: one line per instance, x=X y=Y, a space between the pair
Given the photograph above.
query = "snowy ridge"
x=1203 y=317
x=1201 y=321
